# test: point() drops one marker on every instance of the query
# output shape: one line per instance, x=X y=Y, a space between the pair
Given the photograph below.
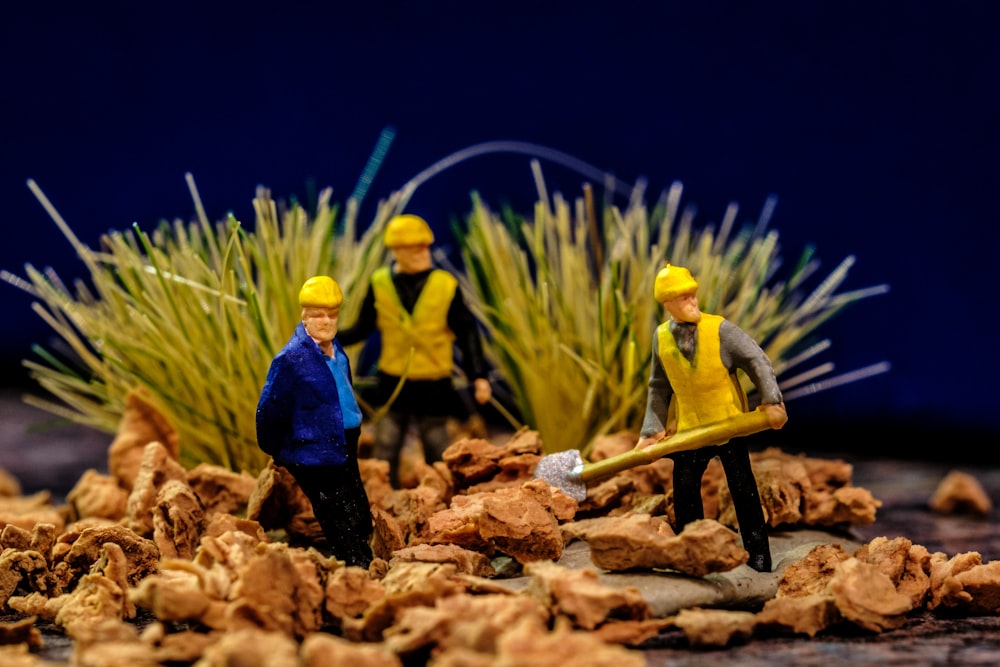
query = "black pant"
x=390 y=436
x=689 y=468
x=340 y=504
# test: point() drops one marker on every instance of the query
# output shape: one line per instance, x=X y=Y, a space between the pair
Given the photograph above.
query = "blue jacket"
x=298 y=415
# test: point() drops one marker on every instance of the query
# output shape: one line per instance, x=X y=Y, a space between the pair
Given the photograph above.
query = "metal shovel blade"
x=562 y=470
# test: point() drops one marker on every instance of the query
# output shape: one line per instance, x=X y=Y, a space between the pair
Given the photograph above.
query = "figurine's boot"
x=756 y=543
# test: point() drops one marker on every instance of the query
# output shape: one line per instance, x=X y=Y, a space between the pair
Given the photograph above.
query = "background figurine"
x=421 y=316
x=309 y=420
x=692 y=383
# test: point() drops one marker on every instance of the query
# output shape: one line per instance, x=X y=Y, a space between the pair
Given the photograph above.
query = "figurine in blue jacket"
x=309 y=421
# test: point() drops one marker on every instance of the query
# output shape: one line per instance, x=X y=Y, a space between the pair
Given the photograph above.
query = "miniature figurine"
x=421 y=316
x=309 y=420
x=693 y=383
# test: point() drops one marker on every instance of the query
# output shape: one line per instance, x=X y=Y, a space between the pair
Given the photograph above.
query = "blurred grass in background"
x=191 y=313
x=567 y=300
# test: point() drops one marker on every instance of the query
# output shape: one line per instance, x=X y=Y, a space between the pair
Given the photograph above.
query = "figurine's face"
x=321 y=323
x=412 y=258
x=684 y=308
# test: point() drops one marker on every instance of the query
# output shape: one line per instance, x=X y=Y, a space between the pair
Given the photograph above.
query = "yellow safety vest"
x=425 y=330
x=704 y=390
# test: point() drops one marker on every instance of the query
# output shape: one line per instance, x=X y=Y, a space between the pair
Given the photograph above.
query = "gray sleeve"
x=658 y=397
x=739 y=350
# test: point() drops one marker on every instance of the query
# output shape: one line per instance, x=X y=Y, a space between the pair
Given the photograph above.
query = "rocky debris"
x=322 y=649
x=904 y=563
x=961 y=493
x=712 y=628
x=96 y=496
x=521 y=522
x=580 y=597
x=526 y=644
x=963 y=584
x=278 y=503
x=220 y=491
x=477 y=466
x=464 y=560
x=877 y=586
x=463 y=622
x=10 y=487
x=22 y=631
x=157 y=467
x=223 y=567
x=401 y=516
x=28 y=511
x=246 y=646
x=141 y=424
x=641 y=541
x=795 y=490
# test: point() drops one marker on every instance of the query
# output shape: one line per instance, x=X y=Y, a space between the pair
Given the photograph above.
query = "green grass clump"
x=192 y=313
x=567 y=302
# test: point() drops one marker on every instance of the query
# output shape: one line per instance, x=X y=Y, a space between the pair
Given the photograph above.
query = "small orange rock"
x=961 y=493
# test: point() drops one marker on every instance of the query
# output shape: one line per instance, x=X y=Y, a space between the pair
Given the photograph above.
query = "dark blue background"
x=875 y=124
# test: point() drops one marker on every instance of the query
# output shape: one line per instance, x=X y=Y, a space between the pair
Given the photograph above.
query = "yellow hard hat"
x=672 y=282
x=320 y=292
x=408 y=229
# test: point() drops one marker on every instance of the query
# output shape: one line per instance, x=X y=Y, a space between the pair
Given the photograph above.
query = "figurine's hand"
x=483 y=390
x=776 y=415
x=650 y=440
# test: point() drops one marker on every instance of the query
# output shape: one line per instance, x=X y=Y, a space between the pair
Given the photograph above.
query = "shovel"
x=567 y=471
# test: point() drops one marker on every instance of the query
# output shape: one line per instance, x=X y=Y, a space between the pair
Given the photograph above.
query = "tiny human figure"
x=421 y=316
x=309 y=420
x=692 y=383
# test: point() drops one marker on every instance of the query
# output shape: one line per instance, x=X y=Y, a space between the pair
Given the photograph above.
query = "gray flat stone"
x=668 y=592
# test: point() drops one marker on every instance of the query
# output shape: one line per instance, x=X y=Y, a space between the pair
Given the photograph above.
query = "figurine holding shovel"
x=692 y=385
x=695 y=406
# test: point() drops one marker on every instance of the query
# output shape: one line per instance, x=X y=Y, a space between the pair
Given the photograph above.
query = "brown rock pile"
x=795 y=490
x=153 y=564
x=643 y=541
x=873 y=590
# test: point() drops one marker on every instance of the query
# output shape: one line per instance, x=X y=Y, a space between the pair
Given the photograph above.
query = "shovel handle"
x=716 y=433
